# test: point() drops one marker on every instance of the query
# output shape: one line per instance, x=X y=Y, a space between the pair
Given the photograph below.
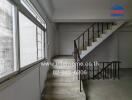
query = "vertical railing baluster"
x=113 y=70
x=80 y=82
x=98 y=30
x=93 y=70
x=88 y=73
x=88 y=38
x=93 y=34
x=103 y=71
x=75 y=56
x=102 y=28
x=79 y=44
x=78 y=71
x=107 y=25
x=98 y=72
x=83 y=73
x=83 y=41
x=110 y=71
x=118 y=70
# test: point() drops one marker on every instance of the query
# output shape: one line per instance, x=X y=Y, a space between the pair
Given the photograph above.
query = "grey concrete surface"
x=110 y=89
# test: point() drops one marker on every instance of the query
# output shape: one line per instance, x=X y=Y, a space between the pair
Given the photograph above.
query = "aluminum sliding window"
x=31 y=41
x=40 y=43
x=27 y=36
x=32 y=38
x=7 y=38
x=22 y=39
x=28 y=5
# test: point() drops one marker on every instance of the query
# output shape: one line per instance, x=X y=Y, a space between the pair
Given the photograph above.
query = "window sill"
x=6 y=80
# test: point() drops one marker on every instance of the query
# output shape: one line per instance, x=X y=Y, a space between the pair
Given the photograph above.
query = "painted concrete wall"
x=116 y=47
x=25 y=87
x=67 y=34
x=125 y=46
x=88 y=10
x=107 y=51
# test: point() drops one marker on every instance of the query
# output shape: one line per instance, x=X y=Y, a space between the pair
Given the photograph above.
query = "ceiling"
x=84 y=10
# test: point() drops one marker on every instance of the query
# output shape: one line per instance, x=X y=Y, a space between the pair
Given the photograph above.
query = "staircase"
x=88 y=41
x=62 y=82
x=94 y=36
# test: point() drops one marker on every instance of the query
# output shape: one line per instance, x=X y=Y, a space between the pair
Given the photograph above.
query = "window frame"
x=18 y=7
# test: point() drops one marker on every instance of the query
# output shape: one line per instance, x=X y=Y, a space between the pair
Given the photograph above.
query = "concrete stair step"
x=64 y=97
x=62 y=73
x=61 y=62
x=107 y=32
x=63 y=79
x=68 y=59
x=62 y=82
x=62 y=90
x=73 y=67
x=48 y=84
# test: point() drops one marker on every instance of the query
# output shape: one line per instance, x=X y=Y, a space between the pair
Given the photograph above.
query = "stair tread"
x=65 y=85
x=72 y=96
x=103 y=37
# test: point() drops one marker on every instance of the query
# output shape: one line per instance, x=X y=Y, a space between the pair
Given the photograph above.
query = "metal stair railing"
x=110 y=70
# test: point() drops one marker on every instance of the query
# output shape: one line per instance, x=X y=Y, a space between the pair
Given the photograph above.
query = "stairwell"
x=62 y=82
x=88 y=41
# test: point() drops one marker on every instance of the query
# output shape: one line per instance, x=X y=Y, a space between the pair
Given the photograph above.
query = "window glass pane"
x=40 y=43
x=28 y=44
x=6 y=38
x=45 y=45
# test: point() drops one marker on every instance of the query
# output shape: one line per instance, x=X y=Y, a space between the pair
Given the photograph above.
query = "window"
x=6 y=38
x=28 y=5
x=40 y=43
x=22 y=36
x=32 y=38
x=28 y=46
x=31 y=41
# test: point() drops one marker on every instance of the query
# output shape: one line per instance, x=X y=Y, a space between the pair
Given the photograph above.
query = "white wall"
x=116 y=47
x=106 y=51
x=125 y=46
x=67 y=34
x=88 y=10
x=25 y=87
x=52 y=34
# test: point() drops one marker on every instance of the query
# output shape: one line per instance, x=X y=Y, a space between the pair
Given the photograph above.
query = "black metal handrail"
x=109 y=68
x=84 y=31
x=91 y=35
x=100 y=27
